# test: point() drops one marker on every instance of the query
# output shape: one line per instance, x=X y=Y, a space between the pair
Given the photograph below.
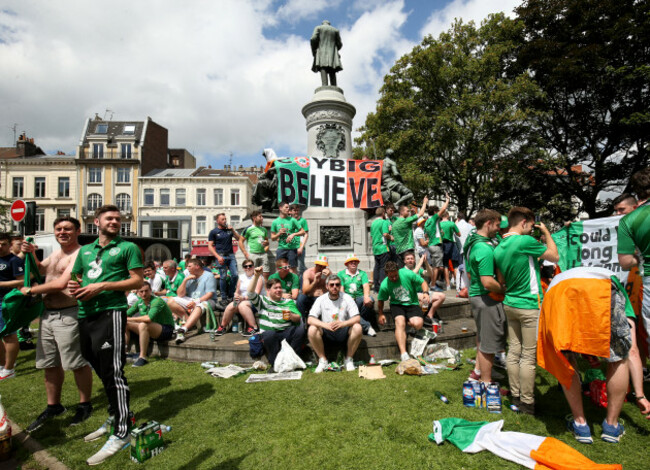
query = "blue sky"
x=222 y=76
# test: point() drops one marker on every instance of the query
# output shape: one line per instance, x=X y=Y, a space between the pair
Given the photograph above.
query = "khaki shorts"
x=266 y=260
x=58 y=340
x=185 y=301
x=435 y=256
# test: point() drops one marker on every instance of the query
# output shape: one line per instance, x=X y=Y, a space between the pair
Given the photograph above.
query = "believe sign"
x=329 y=182
x=18 y=210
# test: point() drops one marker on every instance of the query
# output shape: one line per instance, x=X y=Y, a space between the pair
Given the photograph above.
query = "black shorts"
x=450 y=253
x=339 y=336
x=166 y=333
x=408 y=311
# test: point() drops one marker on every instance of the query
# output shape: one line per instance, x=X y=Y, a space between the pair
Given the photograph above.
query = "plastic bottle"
x=372 y=359
x=165 y=428
x=443 y=398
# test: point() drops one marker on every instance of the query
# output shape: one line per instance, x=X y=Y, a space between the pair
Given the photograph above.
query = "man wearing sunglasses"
x=288 y=279
x=334 y=318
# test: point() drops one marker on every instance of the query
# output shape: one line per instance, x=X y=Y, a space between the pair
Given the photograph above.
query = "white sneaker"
x=113 y=445
x=101 y=431
x=405 y=357
x=7 y=374
x=349 y=364
x=371 y=331
x=322 y=365
x=180 y=335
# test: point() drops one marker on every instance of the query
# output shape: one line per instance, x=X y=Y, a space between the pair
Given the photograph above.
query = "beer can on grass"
x=479 y=394
x=468 y=394
x=493 y=398
x=146 y=441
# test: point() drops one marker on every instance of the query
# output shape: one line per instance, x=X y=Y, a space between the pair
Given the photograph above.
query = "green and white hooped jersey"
x=271 y=318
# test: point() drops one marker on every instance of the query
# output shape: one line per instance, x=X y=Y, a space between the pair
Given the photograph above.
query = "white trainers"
x=180 y=335
x=7 y=374
x=322 y=365
x=371 y=331
x=405 y=357
x=113 y=445
x=349 y=364
x=101 y=431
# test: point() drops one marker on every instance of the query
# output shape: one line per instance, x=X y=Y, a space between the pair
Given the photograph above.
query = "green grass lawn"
x=332 y=420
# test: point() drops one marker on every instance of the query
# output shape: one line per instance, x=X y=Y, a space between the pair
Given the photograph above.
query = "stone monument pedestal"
x=334 y=232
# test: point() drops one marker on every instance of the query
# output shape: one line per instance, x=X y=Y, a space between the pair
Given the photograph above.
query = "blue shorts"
x=290 y=255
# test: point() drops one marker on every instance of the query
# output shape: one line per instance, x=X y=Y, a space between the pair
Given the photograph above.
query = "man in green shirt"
x=174 y=278
x=432 y=229
x=380 y=248
x=354 y=282
x=107 y=268
x=401 y=288
x=450 y=251
x=403 y=230
x=518 y=268
x=489 y=315
x=149 y=317
x=634 y=233
x=257 y=239
x=283 y=230
x=300 y=242
x=289 y=280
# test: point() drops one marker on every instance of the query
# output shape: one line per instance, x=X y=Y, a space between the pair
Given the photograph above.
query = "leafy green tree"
x=591 y=58
x=456 y=121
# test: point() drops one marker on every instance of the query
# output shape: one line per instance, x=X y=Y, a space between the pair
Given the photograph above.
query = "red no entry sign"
x=18 y=210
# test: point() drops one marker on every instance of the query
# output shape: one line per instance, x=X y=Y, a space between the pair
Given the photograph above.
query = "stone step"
x=226 y=350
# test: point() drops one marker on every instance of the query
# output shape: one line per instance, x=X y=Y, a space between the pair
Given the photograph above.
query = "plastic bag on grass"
x=439 y=351
x=409 y=367
x=287 y=359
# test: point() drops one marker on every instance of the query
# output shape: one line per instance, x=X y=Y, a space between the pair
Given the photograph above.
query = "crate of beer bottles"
x=146 y=441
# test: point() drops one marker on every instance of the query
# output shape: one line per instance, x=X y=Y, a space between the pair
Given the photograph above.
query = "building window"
x=94 y=202
x=94 y=175
x=18 y=186
x=40 y=220
x=172 y=230
x=235 y=219
x=101 y=129
x=62 y=213
x=39 y=186
x=98 y=150
x=148 y=197
x=176 y=162
x=92 y=229
x=201 y=225
x=125 y=229
x=124 y=175
x=64 y=186
x=164 y=229
x=218 y=197
x=123 y=202
x=180 y=197
x=234 y=197
x=200 y=197
x=126 y=151
x=164 y=197
x=129 y=129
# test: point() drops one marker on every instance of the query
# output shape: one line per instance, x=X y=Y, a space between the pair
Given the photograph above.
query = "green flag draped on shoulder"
x=19 y=310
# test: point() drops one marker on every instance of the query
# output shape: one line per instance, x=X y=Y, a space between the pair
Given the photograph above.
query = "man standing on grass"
x=195 y=295
x=489 y=315
x=58 y=345
x=220 y=245
x=403 y=230
x=401 y=287
x=334 y=318
x=284 y=229
x=153 y=320
x=12 y=273
x=108 y=268
x=517 y=260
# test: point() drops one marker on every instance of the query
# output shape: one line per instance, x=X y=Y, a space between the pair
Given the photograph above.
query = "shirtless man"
x=313 y=285
x=57 y=348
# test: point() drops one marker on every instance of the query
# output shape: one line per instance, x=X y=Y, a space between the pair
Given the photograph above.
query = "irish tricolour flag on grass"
x=536 y=452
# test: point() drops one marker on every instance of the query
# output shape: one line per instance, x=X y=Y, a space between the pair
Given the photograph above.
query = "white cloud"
x=468 y=10
x=207 y=71
x=296 y=10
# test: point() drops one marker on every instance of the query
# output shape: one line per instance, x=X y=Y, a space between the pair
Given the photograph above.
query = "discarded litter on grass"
x=293 y=375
